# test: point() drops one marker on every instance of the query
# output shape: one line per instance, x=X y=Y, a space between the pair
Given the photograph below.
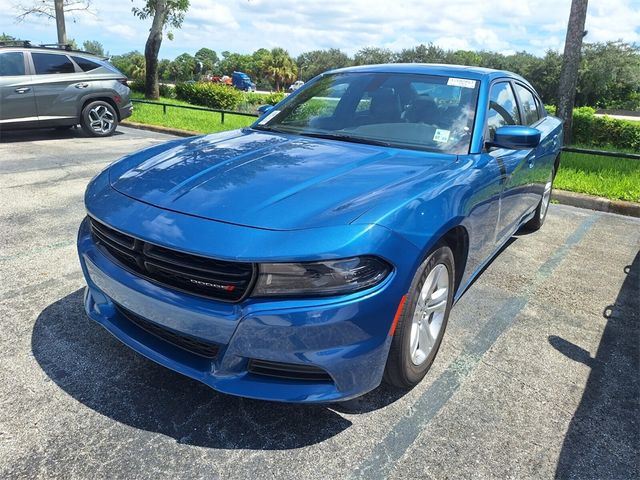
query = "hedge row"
x=602 y=131
x=165 y=90
x=212 y=95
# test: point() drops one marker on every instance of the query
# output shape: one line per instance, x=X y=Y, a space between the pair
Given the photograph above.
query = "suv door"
x=57 y=87
x=516 y=165
x=17 y=101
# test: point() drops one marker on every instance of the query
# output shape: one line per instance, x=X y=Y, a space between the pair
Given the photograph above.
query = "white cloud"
x=300 y=25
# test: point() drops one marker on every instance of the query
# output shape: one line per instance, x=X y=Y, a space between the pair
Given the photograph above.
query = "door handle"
x=81 y=85
x=22 y=90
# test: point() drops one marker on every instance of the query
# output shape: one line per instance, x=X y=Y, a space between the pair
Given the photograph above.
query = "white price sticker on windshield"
x=461 y=82
x=441 y=136
x=268 y=117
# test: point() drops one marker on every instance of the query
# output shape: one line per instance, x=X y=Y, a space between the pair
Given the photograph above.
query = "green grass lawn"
x=614 y=178
x=192 y=120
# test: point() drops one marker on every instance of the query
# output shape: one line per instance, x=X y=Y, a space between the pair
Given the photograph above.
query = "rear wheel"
x=99 y=119
x=541 y=211
x=423 y=321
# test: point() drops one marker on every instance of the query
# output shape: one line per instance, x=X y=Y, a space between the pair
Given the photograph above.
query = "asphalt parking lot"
x=538 y=375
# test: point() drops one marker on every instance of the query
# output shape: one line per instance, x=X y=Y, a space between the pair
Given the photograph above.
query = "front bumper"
x=347 y=336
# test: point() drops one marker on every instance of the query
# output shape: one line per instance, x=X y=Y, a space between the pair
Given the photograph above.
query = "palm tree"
x=280 y=67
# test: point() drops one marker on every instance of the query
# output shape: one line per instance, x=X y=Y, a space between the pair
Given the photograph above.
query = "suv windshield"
x=425 y=112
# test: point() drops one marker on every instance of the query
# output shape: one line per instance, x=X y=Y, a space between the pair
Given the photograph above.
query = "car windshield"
x=425 y=112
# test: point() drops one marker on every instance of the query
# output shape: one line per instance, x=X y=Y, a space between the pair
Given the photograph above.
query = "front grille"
x=290 y=371
x=221 y=280
x=190 y=344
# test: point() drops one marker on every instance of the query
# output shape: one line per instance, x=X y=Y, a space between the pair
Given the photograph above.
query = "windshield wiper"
x=346 y=138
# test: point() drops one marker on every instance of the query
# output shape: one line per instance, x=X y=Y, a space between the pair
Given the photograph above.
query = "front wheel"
x=541 y=211
x=99 y=119
x=423 y=320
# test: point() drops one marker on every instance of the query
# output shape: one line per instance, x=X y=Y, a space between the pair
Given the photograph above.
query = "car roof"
x=461 y=71
x=47 y=49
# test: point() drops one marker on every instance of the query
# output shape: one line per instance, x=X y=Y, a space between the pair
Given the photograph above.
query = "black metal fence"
x=189 y=107
x=222 y=113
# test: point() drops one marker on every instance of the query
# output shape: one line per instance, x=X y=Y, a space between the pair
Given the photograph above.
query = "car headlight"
x=330 y=277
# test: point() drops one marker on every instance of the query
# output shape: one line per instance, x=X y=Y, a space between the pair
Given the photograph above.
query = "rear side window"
x=11 y=63
x=47 y=63
x=528 y=104
x=503 y=109
x=85 y=64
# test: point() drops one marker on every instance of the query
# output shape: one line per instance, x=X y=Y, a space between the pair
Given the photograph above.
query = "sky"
x=244 y=26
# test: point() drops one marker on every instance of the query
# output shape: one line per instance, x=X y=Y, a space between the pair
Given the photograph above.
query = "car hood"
x=274 y=181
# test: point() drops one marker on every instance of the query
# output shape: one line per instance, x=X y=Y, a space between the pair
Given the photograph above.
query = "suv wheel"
x=99 y=119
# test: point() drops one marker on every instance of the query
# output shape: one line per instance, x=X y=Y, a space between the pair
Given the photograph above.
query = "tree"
x=235 y=62
x=570 y=64
x=183 y=67
x=373 y=55
x=280 y=67
x=93 y=46
x=164 y=13
x=422 y=54
x=315 y=62
x=7 y=38
x=209 y=59
x=132 y=64
x=54 y=10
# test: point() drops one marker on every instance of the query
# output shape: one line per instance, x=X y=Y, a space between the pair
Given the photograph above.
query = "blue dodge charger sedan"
x=319 y=251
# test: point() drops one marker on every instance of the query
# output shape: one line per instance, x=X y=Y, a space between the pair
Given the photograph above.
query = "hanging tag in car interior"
x=268 y=117
x=441 y=135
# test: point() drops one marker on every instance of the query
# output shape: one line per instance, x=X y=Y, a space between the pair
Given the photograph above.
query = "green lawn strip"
x=609 y=177
x=192 y=120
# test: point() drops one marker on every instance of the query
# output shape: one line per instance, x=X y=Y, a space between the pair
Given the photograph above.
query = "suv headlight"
x=330 y=277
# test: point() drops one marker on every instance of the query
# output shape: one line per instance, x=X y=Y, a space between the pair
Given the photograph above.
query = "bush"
x=604 y=131
x=589 y=130
x=212 y=95
x=165 y=90
x=272 y=98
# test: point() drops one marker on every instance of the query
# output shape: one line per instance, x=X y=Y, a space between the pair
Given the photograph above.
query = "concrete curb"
x=580 y=200
x=159 y=129
x=600 y=204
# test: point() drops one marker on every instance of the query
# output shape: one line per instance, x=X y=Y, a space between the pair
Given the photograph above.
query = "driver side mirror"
x=515 y=137
x=263 y=109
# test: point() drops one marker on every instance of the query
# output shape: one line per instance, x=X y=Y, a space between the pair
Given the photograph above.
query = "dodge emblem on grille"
x=228 y=288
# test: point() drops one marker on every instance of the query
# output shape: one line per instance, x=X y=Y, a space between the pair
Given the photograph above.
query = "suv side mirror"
x=262 y=109
x=515 y=137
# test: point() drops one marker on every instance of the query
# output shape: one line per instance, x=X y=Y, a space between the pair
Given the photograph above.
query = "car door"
x=532 y=115
x=57 y=86
x=17 y=101
x=516 y=165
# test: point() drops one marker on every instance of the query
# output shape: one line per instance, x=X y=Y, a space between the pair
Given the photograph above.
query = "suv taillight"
x=123 y=81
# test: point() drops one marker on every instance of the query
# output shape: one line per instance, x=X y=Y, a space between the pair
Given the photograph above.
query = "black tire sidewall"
x=400 y=370
x=86 y=127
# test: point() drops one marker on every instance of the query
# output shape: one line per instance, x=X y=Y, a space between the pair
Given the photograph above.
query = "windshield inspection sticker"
x=461 y=82
x=441 y=136
x=268 y=117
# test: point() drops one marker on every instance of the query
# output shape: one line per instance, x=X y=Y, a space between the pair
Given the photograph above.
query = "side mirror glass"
x=515 y=137
x=263 y=109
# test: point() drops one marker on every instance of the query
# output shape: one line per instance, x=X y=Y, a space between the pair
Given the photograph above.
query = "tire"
x=408 y=360
x=99 y=119
x=543 y=207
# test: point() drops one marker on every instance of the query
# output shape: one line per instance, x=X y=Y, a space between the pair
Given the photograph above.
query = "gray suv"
x=57 y=87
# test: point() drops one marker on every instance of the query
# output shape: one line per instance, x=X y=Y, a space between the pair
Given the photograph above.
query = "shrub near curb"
x=590 y=130
x=210 y=95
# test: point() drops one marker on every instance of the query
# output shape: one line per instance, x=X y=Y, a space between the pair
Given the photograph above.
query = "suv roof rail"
x=49 y=46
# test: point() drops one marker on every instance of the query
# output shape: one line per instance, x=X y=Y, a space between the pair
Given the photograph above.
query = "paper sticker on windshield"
x=268 y=117
x=461 y=82
x=441 y=136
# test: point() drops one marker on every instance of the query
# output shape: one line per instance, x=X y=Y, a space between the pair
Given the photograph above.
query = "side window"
x=503 y=109
x=47 y=63
x=528 y=103
x=11 y=63
x=85 y=64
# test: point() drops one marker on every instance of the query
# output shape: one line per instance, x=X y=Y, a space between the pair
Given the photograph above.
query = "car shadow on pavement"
x=40 y=134
x=603 y=438
x=93 y=367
